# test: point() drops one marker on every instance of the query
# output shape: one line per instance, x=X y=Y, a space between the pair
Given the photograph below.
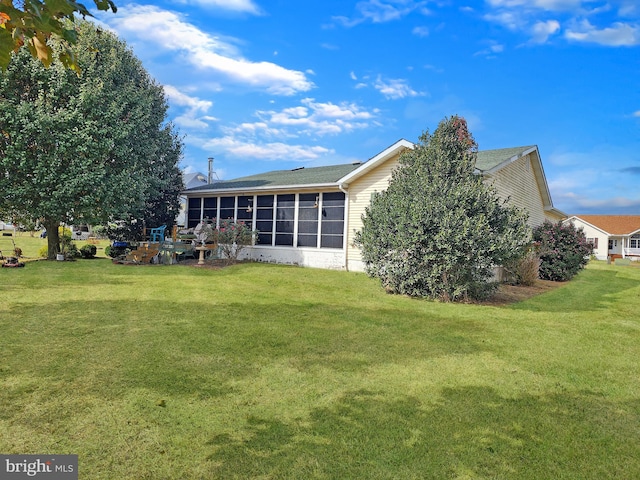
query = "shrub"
x=438 y=230
x=233 y=238
x=88 y=251
x=527 y=269
x=563 y=250
x=114 y=252
x=43 y=252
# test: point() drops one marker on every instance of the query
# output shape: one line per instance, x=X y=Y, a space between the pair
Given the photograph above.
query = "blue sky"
x=272 y=84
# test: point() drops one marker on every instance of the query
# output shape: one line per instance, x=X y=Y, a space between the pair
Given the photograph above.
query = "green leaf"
x=6 y=47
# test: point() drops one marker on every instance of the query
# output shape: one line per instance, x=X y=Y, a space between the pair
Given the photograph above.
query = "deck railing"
x=632 y=252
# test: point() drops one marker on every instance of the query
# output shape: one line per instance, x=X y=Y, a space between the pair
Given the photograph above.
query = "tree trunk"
x=53 y=239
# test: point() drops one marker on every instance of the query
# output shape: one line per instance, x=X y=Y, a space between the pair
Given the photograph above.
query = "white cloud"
x=171 y=33
x=541 y=31
x=382 y=11
x=510 y=20
x=420 y=31
x=491 y=50
x=267 y=151
x=265 y=138
x=618 y=35
x=629 y=8
x=551 y=5
x=636 y=114
x=316 y=118
x=395 y=88
x=244 y=6
x=576 y=203
x=531 y=17
x=194 y=116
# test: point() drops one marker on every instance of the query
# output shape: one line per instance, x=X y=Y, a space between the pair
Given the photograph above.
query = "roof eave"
x=587 y=223
x=379 y=159
x=554 y=210
x=303 y=186
x=510 y=160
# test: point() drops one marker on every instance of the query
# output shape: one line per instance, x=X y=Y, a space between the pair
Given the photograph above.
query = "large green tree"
x=86 y=148
x=32 y=23
x=438 y=230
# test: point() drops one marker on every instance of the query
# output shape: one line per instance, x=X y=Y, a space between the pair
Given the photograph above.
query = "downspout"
x=345 y=242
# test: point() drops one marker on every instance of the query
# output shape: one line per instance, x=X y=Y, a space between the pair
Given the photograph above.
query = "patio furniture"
x=157 y=234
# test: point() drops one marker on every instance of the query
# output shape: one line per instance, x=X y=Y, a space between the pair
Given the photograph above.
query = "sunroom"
x=299 y=214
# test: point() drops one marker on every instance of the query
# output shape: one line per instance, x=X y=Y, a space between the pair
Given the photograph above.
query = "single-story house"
x=612 y=236
x=309 y=216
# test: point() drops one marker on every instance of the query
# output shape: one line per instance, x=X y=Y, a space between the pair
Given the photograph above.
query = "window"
x=634 y=241
x=285 y=219
x=193 y=212
x=313 y=220
x=264 y=219
x=210 y=210
x=593 y=241
x=245 y=210
x=332 y=223
x=308 y=219
x=227 y=208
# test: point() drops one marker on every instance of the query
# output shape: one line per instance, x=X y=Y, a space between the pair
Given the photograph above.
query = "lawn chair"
x=157 y=234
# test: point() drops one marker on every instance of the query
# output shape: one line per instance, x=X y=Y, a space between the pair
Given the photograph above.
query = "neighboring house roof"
x=612 y=224
x=195 y=179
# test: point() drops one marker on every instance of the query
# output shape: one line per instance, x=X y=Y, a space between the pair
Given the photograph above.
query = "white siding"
x=360 y=192
x=517 y=183
x=602 y=251
x=332 y=259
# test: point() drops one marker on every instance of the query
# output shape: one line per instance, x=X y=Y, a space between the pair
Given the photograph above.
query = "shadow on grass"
x=470 y=433
x=590 y=290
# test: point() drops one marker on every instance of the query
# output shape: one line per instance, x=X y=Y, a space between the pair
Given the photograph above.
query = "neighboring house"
x=612 y=236
x=190 y=180
x=309 y=216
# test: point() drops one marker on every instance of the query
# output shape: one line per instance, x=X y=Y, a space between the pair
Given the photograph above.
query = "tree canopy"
x=438 y=230
x=34 y=22
x=86 y=148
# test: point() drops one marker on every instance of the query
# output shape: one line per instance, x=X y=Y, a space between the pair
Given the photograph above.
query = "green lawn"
x=30 y=243
x=265 y=371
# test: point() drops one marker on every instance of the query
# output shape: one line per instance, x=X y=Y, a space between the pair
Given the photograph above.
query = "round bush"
x=88 y=251
x=563 y=250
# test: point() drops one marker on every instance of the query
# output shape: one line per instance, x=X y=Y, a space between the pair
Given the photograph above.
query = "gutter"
x=237 y=190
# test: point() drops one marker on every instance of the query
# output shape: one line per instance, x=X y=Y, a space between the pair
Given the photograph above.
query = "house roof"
x=285 y=178
x=490 y=159
x=612 y=224
x=488 y=162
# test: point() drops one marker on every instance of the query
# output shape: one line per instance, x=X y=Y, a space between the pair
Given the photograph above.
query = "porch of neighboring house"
x=624 y=247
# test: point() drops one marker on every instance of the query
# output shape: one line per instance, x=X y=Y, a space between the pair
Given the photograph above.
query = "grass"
x=265 y=371
x=30 y=243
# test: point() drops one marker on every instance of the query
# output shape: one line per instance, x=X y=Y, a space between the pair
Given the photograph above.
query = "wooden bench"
x=143 y=254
